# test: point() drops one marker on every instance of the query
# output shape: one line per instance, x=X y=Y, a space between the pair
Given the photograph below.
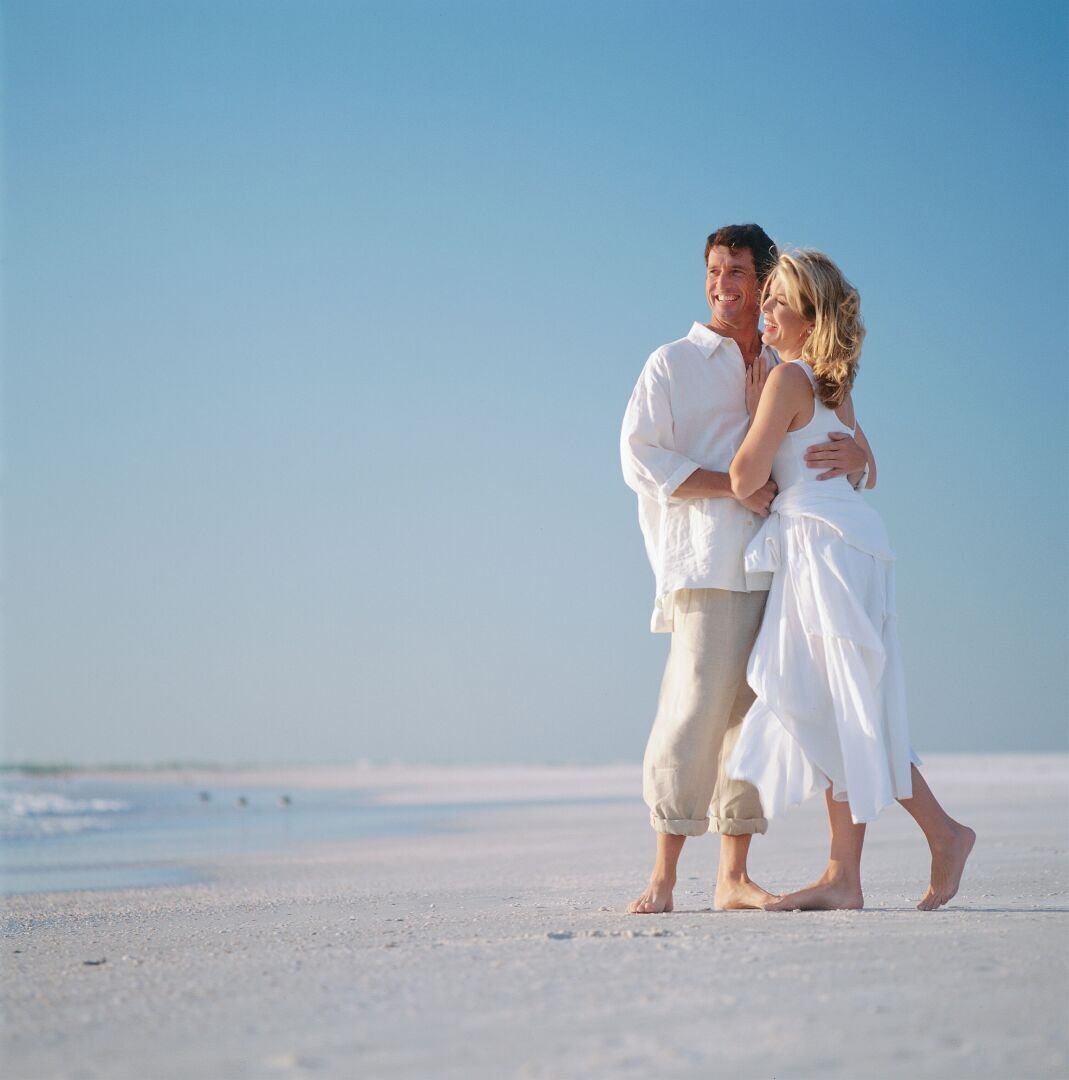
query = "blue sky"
x=321 y=319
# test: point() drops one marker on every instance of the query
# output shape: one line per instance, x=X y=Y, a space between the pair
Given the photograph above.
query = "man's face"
x=731 y=287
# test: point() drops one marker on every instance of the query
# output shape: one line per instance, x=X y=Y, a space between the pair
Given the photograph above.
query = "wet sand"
x=502 y=949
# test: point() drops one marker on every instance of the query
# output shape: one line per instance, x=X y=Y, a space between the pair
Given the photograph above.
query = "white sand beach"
x=502 y=949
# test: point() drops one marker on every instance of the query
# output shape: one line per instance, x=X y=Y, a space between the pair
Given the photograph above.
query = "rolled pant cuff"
x=680 y=826
x=739 y=826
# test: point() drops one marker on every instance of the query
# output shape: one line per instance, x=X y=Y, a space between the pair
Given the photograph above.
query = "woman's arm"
x=859 y=438
x=785 y=394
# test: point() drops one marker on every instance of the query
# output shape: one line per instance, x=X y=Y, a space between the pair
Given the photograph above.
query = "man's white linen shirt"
x=688 y=412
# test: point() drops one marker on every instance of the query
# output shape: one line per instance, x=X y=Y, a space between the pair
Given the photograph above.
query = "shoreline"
x=384 y=776
x=104 y=829
x=394 y=784
x=502 y=950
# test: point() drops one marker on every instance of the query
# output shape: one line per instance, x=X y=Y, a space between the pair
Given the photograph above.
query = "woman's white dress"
x=826 y=666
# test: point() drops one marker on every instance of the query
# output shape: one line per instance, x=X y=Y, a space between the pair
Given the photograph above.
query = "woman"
x=830 y=711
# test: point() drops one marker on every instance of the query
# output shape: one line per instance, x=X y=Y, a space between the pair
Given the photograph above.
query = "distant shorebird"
x=284 y=800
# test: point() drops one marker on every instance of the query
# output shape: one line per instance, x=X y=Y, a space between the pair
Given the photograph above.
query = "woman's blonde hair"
x=816 y=289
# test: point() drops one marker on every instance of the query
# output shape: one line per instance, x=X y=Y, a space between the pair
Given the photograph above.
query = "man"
x=684 y=422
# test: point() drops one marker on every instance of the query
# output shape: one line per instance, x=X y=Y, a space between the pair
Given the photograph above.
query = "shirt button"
x=749 y=521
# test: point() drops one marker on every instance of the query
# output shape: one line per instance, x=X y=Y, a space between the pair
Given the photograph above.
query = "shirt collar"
x=708 y=340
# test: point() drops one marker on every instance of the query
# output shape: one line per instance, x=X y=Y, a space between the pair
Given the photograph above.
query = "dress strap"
x=804 y=365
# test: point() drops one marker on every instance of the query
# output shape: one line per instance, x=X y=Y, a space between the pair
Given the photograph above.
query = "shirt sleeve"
x=651 y=464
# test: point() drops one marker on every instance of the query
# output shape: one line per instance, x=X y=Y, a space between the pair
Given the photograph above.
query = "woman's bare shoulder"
x=788 y=378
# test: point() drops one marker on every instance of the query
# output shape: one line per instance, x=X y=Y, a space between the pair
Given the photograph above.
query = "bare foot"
x=827 y=894
x=740 y=894
x=948 y=862
x=656 y=899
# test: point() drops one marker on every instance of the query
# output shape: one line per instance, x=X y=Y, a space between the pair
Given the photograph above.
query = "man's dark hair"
x=746 y=237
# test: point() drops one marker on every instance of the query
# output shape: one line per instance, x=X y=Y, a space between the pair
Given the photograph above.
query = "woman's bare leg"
x=839 y=887
x=949 y=841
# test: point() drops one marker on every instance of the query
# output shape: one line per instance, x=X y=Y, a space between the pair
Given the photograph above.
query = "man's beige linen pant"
x=704 y=697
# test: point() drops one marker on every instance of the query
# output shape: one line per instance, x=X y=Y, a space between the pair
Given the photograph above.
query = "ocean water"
x=60 y=833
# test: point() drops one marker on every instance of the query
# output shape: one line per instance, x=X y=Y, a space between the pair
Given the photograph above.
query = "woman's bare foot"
x=656 y=899
x=948 y=862
x=832 y=892
x=740 y=894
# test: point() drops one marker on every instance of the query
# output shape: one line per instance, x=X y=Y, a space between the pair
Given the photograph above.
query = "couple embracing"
x=775 y=579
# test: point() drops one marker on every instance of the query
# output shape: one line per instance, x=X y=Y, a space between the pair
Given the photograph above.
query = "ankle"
x=845 y=874
x=732 y=877
x=945 y=836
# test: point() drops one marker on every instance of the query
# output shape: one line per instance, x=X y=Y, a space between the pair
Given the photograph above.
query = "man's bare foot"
x=740 y=894
x=827 y=894
x=656 y=899
x=948 y=862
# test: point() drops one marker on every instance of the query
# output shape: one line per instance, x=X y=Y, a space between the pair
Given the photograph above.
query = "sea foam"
x=47 y=813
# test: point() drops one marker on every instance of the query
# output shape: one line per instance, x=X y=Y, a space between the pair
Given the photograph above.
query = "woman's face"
x=785 y=330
